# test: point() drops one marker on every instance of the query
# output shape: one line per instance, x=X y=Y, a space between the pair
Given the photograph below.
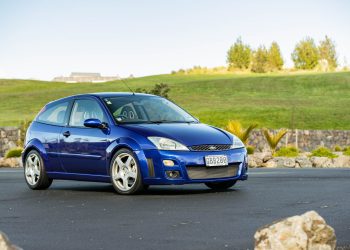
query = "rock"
x=5 y=244
x=270 y=164
x=284 y=162
x=303 y=162
x=254 y=162
x=321 y=162
x=341 y=161
x=11 y=162
x=289 y=162
x=306 y=231
x=267 y=157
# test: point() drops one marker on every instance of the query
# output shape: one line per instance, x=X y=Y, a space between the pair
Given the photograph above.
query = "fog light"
x=168 y=163
x=173 y=174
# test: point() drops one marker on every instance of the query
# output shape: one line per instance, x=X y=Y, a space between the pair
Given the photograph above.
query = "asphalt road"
x=82 y=215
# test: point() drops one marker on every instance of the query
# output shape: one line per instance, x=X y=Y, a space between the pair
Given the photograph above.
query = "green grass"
x=304 y=101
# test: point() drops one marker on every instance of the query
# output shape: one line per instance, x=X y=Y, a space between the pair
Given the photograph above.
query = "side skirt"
x=79 y=177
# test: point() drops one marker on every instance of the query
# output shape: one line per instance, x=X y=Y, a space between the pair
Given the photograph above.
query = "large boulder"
x=308 y=231
x=5 y=244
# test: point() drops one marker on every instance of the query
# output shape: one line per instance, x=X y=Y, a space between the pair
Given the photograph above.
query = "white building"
x=85 y=77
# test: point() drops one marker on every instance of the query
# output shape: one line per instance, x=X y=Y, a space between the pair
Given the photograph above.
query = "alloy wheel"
x=124 y=172
x=32 y=169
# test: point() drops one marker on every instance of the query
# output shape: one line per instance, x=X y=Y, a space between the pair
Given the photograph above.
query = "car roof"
x=101 y=95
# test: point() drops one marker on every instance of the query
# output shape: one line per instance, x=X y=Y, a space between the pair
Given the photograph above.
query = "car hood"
x=188 y=134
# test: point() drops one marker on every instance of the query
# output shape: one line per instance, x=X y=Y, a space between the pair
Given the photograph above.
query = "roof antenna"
x=121 y=79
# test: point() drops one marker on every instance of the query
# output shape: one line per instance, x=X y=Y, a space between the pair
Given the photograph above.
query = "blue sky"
x=42 y=39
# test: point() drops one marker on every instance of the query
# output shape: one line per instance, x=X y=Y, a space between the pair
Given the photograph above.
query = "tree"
x=161 y=89
x=259 y=62
x=275 y=60
x=238 y=56
x=327 y=51
x=305 y=54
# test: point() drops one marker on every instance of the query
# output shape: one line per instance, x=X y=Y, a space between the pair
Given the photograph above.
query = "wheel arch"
x=129 y=144
x=34 y=144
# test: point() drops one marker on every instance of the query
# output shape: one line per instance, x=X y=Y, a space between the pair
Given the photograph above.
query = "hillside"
x=309 y=101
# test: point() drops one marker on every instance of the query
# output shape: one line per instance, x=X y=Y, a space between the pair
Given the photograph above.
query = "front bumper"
x=154 y=172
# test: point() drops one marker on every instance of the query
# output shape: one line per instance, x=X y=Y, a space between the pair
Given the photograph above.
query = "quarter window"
x=85 y=109
x=53 y=114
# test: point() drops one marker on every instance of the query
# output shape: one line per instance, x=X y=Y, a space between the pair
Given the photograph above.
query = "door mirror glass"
x=95 y=123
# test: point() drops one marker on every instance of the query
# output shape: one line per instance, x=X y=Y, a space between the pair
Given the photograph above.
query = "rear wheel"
x=221 y=185
x=125 y=172
x=34 y=171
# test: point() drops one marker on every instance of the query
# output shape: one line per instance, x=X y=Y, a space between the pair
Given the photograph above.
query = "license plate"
x=216 y=160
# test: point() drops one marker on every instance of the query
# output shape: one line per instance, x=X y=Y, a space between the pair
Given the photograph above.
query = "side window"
x=85 y=109
x=53 y=114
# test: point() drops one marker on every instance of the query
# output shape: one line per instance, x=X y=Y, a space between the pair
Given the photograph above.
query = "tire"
x=223 y=185
x=34 y=171
x=125 y=172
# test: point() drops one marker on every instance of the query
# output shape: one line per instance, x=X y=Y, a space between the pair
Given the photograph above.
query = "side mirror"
x=95 y=123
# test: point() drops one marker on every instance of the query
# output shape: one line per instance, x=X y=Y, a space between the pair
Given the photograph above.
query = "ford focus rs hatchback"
x=129 y=140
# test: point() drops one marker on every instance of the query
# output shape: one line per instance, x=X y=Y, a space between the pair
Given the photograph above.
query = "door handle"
x=66 y=134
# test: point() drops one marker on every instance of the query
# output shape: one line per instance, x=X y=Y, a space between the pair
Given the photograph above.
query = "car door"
x=82 y=149
x=47 y=128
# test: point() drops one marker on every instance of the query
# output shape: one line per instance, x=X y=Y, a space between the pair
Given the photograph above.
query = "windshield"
x=146 y=109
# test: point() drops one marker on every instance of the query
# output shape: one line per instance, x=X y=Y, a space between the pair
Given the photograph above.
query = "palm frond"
x=273 y=139
x=236 y=128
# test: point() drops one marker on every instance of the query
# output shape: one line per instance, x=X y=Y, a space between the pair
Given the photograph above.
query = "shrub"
x=323 y=152
x=23 y=127
x=236 y=128
x=289 y=151
x=15 y=152
x=250 y=150
x=161 y=89
x=337 y=148
x=346 y=151
x=273 y=139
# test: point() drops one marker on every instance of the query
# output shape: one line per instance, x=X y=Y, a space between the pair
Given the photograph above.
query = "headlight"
x=237 y=143
x=167 y=144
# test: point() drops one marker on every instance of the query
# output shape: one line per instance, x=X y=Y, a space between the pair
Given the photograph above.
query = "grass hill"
x=304 y=101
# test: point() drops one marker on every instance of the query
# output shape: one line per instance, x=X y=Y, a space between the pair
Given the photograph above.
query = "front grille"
x=203 y=172
x=211 y=147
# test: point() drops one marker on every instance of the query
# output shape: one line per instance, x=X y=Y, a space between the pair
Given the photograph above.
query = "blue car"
x=130 y=140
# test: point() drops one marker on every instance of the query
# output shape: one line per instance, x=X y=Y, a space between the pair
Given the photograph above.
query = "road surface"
x=83 y=215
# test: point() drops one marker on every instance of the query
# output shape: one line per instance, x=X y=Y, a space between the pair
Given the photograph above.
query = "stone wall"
x=8 y=139
x=306 y=140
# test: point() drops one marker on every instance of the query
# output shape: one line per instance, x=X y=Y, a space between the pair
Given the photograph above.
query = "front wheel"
x=221 y=185
x=125 y=173
x=34 y=171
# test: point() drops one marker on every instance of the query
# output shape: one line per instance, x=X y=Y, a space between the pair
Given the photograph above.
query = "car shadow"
x=152 y=190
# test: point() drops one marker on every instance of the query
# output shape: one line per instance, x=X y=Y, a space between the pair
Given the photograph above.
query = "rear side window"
x=85 y=109
x=53 y=114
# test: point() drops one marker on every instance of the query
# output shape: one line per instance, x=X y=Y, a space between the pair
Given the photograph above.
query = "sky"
x=41 y=39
